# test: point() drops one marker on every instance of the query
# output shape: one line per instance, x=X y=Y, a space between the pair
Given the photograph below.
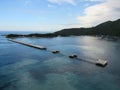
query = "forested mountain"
x=111 y=28
x=106 y=28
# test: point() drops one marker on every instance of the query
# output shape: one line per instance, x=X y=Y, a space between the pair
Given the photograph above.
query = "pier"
x=98 y=62
x=30 y=45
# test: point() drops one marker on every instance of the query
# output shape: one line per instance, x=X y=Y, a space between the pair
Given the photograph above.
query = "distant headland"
x=111 y=28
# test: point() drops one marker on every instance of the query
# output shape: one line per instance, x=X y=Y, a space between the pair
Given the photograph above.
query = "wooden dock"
x=30 y=45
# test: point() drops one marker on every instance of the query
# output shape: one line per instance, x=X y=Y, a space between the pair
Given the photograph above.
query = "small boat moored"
x=73 y=56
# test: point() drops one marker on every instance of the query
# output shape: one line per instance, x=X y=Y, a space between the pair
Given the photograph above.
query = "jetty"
x=30 y=45
x=99 y=62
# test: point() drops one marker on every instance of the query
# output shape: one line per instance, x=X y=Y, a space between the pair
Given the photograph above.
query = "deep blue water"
x=26 y=68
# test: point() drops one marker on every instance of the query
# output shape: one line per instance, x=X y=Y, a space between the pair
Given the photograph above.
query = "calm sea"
x=26 y=68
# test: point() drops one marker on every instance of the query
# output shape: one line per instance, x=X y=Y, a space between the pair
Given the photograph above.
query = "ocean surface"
x=26 y=68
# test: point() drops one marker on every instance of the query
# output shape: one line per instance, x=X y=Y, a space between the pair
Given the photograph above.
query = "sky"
x=54 y=15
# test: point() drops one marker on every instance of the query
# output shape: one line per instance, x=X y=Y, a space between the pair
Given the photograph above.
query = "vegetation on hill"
x=111 y=28
x=107 y=28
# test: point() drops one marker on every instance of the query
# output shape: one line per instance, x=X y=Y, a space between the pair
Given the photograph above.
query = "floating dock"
x=30 y=45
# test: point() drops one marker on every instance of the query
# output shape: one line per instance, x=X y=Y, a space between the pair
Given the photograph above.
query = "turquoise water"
x=26 y=68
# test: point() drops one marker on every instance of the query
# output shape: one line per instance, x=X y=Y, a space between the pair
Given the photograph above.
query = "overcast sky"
x=53 y=15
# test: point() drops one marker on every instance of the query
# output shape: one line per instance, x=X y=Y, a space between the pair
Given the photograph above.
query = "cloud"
x=63 y=1
x=93 y=15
